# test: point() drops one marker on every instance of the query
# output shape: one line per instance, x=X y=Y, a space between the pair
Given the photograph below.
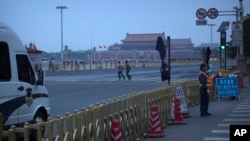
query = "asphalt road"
x=73 y=90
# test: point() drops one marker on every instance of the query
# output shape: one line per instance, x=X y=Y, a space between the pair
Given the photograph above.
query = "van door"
x=26 y=87
x=8 y=88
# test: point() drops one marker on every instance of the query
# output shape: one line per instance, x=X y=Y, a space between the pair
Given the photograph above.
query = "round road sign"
x=212 y=13
x=201 y=13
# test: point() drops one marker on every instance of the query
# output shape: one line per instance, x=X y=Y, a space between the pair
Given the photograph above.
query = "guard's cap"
x=202 y=66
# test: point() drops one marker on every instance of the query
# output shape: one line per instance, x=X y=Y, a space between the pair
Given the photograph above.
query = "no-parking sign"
x=212 y=13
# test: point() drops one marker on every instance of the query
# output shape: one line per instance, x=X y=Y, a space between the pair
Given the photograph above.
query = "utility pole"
x=242 y=59
x=61 y=8
x=211 y=25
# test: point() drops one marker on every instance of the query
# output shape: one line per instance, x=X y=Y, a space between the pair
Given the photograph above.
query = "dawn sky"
x=89 y=23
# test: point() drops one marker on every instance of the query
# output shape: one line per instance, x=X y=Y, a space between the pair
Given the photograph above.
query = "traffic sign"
x=201 y=22
x=227 y=86
x=212 y=13
x=201 y=13
x=236 y=34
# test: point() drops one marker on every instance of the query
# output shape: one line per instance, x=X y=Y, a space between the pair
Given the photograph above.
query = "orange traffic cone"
x=155 y=128
x=116 y=133
x=178 y=118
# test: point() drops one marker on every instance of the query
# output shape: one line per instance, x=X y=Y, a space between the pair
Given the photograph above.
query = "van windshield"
x=5 y=73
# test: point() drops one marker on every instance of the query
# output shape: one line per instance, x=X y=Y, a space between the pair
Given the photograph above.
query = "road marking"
x=236 y=119
x=215 y=139
x=248 y=103
x=239 y=115
x=241 y=111
x=243 y=105
x=223 y=125
x=242 y=108
x=220 y=131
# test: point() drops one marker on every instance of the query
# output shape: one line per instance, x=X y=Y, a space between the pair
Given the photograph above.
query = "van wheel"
x=39 y=117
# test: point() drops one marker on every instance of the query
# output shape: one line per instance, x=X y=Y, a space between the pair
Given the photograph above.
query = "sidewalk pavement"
x=200 y=128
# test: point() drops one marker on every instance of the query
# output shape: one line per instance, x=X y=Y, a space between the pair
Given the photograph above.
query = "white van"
x=23 y=96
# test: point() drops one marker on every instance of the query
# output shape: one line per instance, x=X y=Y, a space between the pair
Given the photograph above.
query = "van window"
x=5 y=73
x=25 y=71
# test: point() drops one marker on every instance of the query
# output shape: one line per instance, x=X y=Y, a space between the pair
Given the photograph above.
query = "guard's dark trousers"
x=204 y=100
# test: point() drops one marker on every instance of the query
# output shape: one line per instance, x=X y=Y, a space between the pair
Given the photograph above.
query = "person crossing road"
x=120 y=71
x=128 y=68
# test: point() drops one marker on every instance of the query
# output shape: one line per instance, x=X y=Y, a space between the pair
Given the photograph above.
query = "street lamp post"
x=211 y=25
x=61 y=8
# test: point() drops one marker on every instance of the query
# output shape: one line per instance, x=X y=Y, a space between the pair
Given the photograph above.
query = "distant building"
x=142 y=46
x=142 y=42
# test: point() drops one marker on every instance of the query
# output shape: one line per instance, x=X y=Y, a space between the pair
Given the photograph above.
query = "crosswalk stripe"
x=220 y=131
x=242 y=108
x=215 y=139
x=239 y=115
x=244 y=105
x=223 y=125
x=240 y=120
x=241 y=111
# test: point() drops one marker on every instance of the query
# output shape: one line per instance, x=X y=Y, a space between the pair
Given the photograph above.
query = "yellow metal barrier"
x=94 y=122
x=193 y=95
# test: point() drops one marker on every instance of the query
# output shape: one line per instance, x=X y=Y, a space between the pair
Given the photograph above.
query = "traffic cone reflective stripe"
x=116 y=133
x=155 y=128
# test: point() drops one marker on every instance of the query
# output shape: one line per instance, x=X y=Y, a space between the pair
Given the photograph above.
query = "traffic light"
x=222 y=47
x=223 y=41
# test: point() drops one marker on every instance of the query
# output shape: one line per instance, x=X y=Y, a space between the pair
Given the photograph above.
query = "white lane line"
x=241 y=111
x=245 y=102
x=220 y=131
x=236 y=120
x=243 y=105
x=223 y=125
x=239 y=115
x=215 y=139
x=239 y=108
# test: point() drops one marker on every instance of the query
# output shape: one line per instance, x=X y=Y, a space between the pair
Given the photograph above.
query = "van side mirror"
x=41 y=75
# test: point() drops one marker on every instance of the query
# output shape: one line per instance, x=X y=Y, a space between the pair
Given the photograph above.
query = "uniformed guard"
x=205 y=87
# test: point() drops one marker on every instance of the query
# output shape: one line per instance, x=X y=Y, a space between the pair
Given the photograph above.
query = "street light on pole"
x=61 y=8
x=211 y=25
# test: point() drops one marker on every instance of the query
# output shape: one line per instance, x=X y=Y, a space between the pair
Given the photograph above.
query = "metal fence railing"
x=94 y=122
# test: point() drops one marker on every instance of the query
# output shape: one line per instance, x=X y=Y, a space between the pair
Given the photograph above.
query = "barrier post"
x=50 y=129
x=11 y=134
x=91 y=124
x=60 y=127
x=101 y=122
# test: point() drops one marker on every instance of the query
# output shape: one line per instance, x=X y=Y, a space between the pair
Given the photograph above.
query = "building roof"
x=144 y=37
x=186 y=41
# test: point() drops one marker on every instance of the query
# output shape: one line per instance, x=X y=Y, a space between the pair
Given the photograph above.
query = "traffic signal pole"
x=223 y=42
x=223 y=47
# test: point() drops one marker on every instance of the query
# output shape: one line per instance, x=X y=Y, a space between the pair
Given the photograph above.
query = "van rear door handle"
x=21 y=88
